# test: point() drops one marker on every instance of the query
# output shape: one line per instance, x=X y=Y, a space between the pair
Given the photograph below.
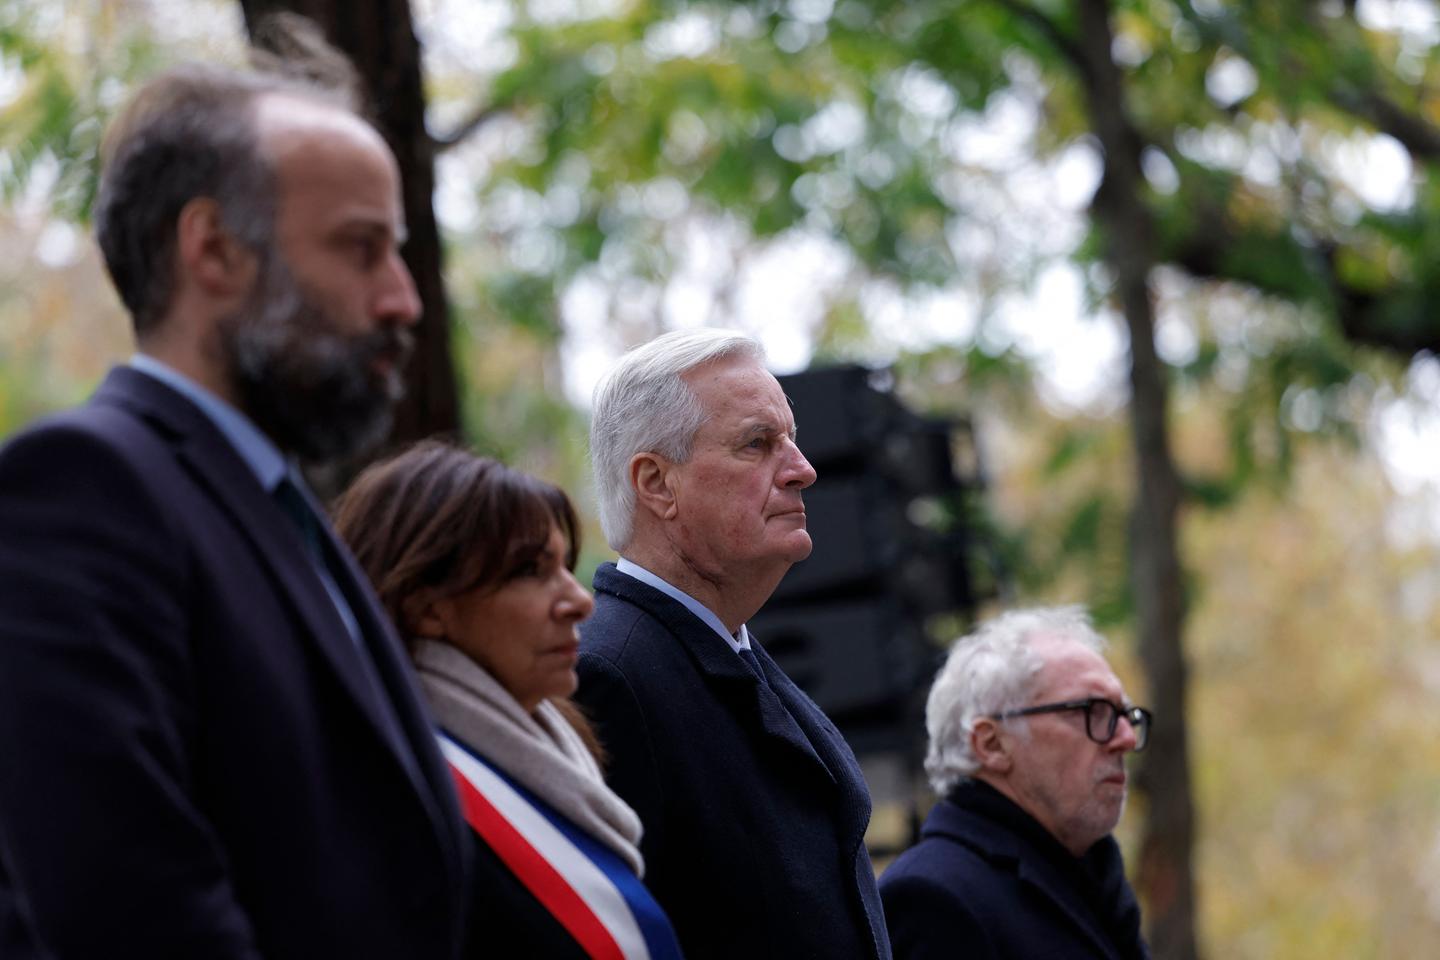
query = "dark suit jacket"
x=194 y=764
x=987 y=882
x=754 y=807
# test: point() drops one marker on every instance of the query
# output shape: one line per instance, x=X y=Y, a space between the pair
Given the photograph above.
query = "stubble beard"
x=310 y=388
x=1103 y=813
x=1075 y=822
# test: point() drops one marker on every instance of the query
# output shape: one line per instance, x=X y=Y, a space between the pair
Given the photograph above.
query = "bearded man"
x=211 y=745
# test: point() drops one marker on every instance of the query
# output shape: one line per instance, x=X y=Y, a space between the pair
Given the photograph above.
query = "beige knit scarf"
x=541 y=751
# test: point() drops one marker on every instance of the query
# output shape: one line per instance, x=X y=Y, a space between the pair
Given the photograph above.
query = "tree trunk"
x=379 y=38
x=1165 y=874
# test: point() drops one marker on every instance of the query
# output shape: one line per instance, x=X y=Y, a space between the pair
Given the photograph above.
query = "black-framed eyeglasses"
x=1101 y=718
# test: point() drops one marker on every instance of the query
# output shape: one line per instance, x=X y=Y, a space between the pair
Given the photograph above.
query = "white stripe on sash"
x=588 y=881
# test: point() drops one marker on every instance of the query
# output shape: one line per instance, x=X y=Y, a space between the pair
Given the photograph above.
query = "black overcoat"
x=193 y=760
x=753 y=805
x=999 y=888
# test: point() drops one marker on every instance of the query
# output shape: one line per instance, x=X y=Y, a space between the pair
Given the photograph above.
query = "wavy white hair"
x=990 y=671
x=644 y=405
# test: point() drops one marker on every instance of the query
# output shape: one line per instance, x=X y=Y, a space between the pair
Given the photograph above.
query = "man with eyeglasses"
x=1028 y=728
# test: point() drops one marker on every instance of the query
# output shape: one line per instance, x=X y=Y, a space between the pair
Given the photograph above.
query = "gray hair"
x=990 y=671
x=644 y=405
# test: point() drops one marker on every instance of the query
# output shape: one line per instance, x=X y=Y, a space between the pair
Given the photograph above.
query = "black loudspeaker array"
x=891 y=520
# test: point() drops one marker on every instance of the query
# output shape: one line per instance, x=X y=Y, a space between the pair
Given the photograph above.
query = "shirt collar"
x=259 y=453
x=739 y=641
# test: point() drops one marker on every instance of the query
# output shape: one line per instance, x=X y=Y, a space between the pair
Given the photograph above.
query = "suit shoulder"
x=939 y=860
x=927 y=918
x=90 y=451
x=75 y=424
x=623 y=647
x=89 y=434
x=907 y=883
x=618 y=629
x=87 y=506
x=940 y=881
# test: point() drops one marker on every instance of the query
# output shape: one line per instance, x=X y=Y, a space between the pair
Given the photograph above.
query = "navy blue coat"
x=194 y=764
x=998 y=887
x=753 y=805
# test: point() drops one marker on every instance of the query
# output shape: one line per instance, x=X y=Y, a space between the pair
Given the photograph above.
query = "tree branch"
x=1058 y=38
x=477 y=119
x=1394 y=318
x=1416 y=134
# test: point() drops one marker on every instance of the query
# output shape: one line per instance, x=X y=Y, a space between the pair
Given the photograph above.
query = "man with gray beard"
x=211 y=746
x=1029 y=728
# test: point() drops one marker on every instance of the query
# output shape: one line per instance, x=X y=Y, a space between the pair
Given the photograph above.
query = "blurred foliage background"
x=919 y=184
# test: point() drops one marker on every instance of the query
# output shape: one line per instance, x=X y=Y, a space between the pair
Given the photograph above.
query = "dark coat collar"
x=779 y=709
x=778 y=719
x=981 y=818
x=211 y=459
x=205 y=453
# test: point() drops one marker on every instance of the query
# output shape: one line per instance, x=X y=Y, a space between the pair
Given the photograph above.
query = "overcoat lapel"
x=397 y=678
x=756 y=704
x=1042 y=875
x=999 y=845
x=834 y=752
x=206 y=454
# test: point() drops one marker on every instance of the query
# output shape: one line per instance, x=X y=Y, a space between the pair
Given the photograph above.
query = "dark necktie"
x=752 y=662
x=292 y=501
x=297 y=507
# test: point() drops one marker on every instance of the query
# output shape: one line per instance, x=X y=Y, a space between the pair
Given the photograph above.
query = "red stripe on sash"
x=533 y=870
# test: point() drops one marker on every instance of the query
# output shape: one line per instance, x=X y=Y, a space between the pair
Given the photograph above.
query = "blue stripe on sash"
x=649 y=916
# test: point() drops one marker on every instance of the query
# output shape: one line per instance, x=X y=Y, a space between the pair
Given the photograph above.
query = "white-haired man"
x=754 y=808
x=1029 y=728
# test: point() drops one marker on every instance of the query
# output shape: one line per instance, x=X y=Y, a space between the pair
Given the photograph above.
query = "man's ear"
x=650 y=478
x=990 y=746
x=210 y=255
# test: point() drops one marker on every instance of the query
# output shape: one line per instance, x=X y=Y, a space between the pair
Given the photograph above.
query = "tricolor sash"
x=584 y=884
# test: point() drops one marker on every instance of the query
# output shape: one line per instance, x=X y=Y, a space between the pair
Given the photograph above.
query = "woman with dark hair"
x=474 y=562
